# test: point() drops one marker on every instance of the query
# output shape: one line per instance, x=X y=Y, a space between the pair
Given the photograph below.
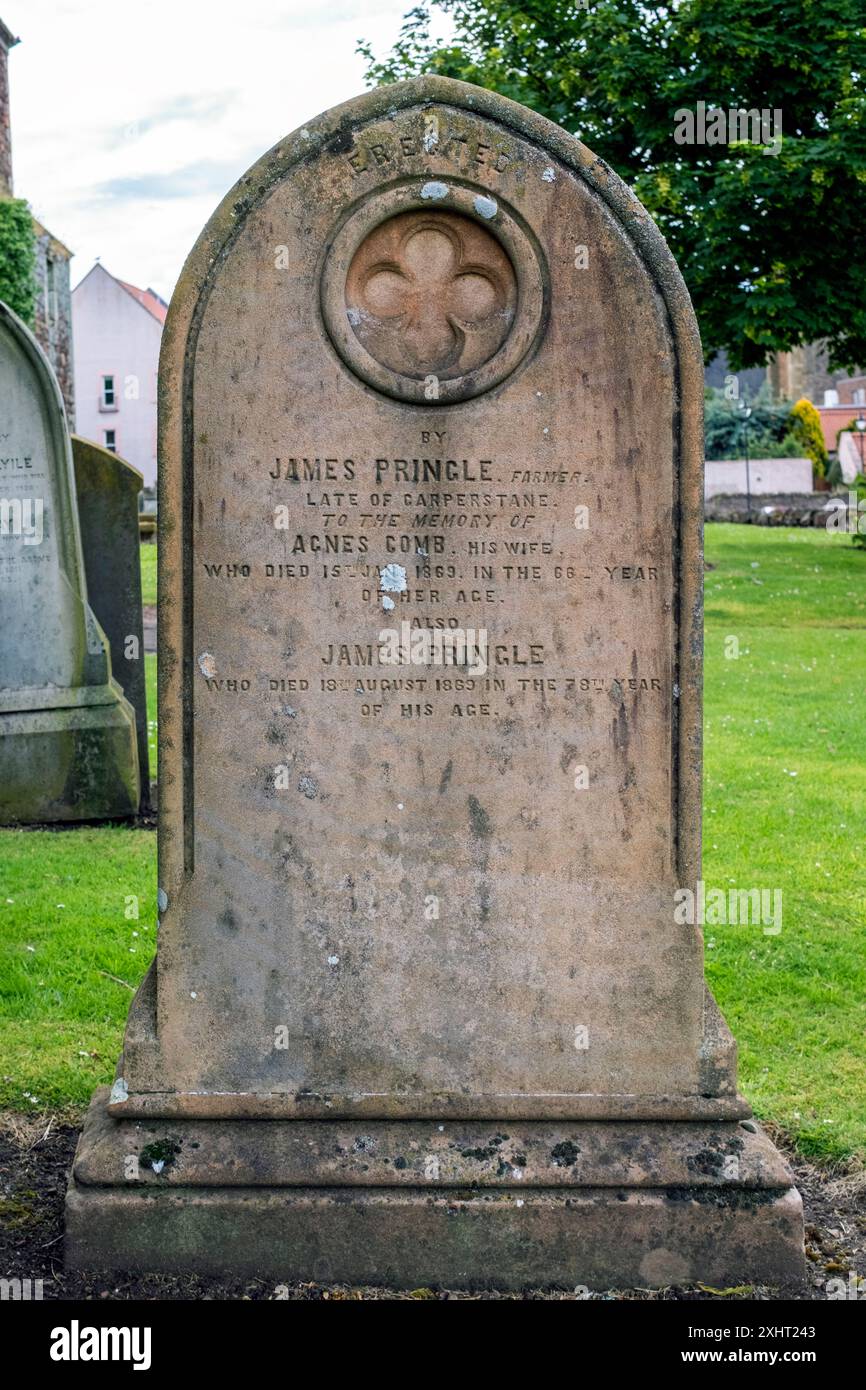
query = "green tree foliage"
x=767 y=244
x=806 y=425
x=769 y=428
x=17 y=258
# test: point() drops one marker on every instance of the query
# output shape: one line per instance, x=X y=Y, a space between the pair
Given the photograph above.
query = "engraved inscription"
x=454 y=592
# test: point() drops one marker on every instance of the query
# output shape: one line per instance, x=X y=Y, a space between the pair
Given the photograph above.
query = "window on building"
x=860 y=395
x=111 y=440
x=108 y=400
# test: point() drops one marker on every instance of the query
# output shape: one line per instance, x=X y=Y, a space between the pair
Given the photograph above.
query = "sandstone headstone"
x=107 y=489
x=67 y=735
x=430 y=725
x=851 y=455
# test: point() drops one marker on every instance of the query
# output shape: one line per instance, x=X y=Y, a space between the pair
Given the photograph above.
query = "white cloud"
x=131 y=121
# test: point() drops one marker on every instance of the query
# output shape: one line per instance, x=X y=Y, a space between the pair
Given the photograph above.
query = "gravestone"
x=423 y=1008
x=67 y=735
x=851 y=454
x=107 y=489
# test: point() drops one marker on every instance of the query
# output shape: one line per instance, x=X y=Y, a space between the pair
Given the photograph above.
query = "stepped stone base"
x=461 y=1204
x=69 y=764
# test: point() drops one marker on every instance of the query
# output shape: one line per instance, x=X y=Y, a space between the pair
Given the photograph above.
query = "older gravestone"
x=67 y=735
x=107 y=489
x=423 y=1009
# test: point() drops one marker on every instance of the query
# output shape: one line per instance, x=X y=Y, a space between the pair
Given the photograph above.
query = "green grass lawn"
x=68 y=900
x=785 y=808
x=148 y=573
x=150 y=682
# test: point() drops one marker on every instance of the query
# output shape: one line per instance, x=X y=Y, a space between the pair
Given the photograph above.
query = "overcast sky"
x=130 y=121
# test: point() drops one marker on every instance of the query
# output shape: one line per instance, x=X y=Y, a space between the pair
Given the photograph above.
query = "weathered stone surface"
x=593 y=1237
x=308 y=906
x=805 y=509
x=67 y=735
x=430 y=363
x=454 y=1153
x=107 y=489
x=597 y=1237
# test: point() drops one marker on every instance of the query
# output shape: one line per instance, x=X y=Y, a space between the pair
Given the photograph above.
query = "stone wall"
x=6 y=42
x=53 y=318
x=805 y=371
x=776 y=509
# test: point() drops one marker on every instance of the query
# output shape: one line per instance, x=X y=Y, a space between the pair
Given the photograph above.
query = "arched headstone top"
x=32 y=391
x=339 y=131
x=108 y=465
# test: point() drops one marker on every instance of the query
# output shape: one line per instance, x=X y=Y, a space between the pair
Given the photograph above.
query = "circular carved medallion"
x=431 y=293
x=432 y=304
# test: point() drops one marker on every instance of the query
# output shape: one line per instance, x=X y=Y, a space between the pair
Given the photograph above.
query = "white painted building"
x=727 y=477
x=116 y=331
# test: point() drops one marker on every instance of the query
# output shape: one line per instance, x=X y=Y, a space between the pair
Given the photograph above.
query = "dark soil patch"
x=146 y=820
x=36 y=1155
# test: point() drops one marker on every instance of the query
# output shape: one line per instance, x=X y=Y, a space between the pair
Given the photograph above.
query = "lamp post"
x=746 y=412
x=860 y=422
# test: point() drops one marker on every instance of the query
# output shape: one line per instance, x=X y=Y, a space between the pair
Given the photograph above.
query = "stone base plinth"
x=69 y=764
x=410 y=1203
